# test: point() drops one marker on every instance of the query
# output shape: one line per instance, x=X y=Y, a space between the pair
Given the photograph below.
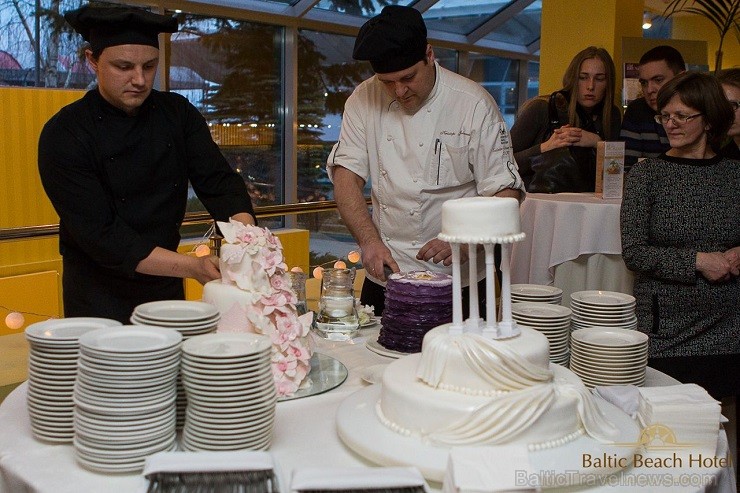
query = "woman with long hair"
x=586 y=114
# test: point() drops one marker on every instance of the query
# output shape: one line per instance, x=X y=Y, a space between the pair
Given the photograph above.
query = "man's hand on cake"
x=206 y=269
x=377 y=260
x=440 y=251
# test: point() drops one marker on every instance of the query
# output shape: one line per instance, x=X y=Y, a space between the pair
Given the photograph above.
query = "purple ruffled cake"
x=415 y=303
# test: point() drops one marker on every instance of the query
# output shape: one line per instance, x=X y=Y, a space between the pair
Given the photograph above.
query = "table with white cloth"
x=305 y=435
x=573 y=242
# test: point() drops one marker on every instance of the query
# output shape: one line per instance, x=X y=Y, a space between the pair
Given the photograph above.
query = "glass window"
x=460 y=16
x=447 y=58
x=58 y=62
x=533 y=79
x=364 y=8
x=499 y=77
x=327 y=75
x=521 y=29
x=230 y=70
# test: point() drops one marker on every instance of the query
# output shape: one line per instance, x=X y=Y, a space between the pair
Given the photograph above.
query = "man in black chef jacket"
x=116 y=166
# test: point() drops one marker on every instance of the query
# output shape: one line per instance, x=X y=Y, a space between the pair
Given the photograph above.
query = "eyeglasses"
x=676 y=119
x=735 y=104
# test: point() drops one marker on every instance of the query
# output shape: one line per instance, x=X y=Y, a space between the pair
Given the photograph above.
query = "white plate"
x=537 y=310
x=374 y=346
x=226 y=345
x=535 y=290
x=129 y=339
x=66 y=330
x=373 y=374
x=609 y=337
x=603 y=298
x=360 y=429
x=177 y=311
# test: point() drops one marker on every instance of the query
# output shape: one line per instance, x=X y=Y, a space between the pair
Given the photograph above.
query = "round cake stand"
x=326 y=373
x=359 y=428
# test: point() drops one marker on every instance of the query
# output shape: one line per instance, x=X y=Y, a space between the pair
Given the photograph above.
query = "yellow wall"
x=697 y=27
x=568 y=27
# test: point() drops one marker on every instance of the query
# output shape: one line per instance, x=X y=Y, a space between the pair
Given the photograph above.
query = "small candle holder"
x=214 y=242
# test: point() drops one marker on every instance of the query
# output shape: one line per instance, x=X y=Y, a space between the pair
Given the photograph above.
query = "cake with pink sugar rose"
x=254 y=295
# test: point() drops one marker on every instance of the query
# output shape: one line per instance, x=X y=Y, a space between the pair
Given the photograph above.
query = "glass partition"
x=499 y=77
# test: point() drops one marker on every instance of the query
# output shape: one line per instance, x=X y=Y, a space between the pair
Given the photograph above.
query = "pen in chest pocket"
x=438 y=153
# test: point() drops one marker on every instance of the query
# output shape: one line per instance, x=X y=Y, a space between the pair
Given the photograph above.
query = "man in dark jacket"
x=116 y=166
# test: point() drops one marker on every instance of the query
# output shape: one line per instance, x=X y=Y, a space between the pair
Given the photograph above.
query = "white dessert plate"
x=603 y=298
x=129 y=339
x=373 y=374
x=536 y=290
x=374 y=346
x=226 y=345
x=535 y=310
x=609 y=337
x=66 y=330
x=360 y=429
x=177 y=311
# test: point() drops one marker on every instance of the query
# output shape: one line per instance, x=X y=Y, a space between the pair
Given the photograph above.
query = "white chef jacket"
x=456 y=145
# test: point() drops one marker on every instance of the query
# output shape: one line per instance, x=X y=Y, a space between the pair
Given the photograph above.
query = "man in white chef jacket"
x=423 y=135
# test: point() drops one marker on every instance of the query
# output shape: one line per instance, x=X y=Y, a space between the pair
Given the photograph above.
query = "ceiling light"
x=647 y=22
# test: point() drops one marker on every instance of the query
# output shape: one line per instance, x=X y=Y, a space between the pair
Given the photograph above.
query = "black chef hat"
x=111 y=26
x=393 y=40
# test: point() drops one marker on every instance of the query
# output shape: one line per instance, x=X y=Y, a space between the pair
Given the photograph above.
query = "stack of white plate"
x=52 y=368
x=609 y=356
x=125 y=396
x=536 y=293
x=551 y=320
x=231 y=392
x=602 y=309
x=189 y=318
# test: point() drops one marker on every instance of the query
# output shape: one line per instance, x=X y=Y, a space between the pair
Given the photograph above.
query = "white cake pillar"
x=473 y=321
x=491 y=328
x=457 y=317
x=508 y=327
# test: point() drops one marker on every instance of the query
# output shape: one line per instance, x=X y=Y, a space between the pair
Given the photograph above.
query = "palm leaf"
x=724 y=14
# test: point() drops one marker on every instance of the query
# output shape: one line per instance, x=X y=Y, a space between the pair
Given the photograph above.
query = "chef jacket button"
x=412 y=212
x=429 y=110
x=385 y=207
x=421 y=144
x=413 y=243
x=175 y=185
x=123 y=199
x=169 y=145
x=387 y=238
x=389 y=138
x=415 y=180
x=111 y=158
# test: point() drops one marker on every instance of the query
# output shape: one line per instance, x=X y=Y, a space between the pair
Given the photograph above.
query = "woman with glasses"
x=585 y=115
x=680 y=222
x=730 y=80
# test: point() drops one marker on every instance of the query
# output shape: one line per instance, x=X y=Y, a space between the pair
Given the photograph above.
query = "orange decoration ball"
x=15 y=320
x=202 y=251
x=340 y=265
x=318 y=272
x=353 y=256
x=296 y=269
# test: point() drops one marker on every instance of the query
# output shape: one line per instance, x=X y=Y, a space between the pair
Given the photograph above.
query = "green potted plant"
x=724 y=14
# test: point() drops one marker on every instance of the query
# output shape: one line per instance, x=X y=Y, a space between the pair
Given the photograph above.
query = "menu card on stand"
x=609 y=170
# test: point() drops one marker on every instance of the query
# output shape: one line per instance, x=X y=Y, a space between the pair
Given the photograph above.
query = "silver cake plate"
x=360 y=429
x=326 y=374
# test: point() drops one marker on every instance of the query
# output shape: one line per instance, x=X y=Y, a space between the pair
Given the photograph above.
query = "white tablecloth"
x=573 y=242
x=305 y=435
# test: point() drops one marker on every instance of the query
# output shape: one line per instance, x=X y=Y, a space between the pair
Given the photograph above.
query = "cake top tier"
x=481 y=220
x=421 y=277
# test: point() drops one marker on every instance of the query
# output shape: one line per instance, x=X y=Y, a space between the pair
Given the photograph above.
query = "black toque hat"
x=111 y=26
x=393 y=40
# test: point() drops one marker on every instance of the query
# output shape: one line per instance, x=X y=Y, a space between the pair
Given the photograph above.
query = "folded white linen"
x=498 y=469
x=625 y=397
x=207 y=461
x=356 y=478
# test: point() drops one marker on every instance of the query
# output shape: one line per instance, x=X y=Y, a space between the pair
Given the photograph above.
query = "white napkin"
x=490 y=469
x=205 y=461
x=625 y=397
x=355 y=478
